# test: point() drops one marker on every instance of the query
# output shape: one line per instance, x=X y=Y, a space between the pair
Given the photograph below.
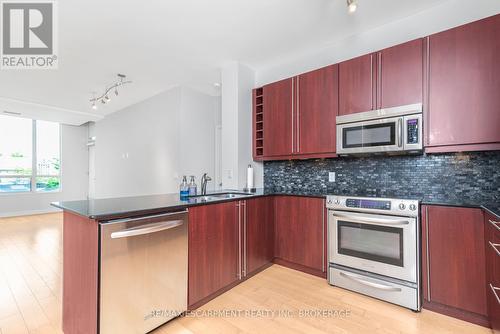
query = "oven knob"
x=336 y=201
x=402 y=206
x=413 y=207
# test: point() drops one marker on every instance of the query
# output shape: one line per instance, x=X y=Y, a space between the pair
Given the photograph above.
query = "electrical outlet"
x=331 y=177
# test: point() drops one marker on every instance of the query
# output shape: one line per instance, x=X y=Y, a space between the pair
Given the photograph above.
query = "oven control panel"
x=403 y=207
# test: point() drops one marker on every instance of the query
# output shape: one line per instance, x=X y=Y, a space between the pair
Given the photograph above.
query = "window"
x=29 y=155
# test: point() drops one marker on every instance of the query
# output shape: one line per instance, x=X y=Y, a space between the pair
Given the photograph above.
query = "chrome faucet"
x=204 y=179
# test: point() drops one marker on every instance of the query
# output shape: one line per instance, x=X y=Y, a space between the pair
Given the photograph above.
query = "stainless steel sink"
x=229 y=195
x=219 y=196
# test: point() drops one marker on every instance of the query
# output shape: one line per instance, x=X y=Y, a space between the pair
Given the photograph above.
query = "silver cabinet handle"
x=293 y=91
x=298 y=113
x=239 y=239
x=400 y=132
x=146 y=229
x=494 y=223
x=494 y=246
x=370 y=284
x=245 y=272
x=365 y=220
x=494 y=290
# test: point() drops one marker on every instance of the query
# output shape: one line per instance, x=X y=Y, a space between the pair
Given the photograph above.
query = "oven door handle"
x=379 y=286
x=365 y=219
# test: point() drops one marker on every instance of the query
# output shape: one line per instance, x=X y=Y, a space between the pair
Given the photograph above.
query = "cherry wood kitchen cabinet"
x=259 y=234
x=317 y=109
x=278 y=118
x=357 y=85
x=213 y=236
x=299 y=233
x=453 y=262
x=464 y=81
x=492 y=226
x=400 y=75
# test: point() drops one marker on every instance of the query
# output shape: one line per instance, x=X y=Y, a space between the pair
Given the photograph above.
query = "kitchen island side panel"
x=80 y=274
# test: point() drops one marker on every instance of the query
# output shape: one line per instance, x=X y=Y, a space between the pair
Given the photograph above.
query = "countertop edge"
x=169 y=208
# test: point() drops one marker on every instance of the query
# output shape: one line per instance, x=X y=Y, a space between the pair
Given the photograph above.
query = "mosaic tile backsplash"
x=461 y=177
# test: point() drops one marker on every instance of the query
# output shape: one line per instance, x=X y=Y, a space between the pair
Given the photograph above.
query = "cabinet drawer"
x=492 y=254
x=494 y=307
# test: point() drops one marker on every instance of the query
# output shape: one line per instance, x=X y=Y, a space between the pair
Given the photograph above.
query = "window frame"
x=34 y=170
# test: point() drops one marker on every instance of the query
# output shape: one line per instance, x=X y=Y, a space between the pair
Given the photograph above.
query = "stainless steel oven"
x=373 y=247
x=392 y=130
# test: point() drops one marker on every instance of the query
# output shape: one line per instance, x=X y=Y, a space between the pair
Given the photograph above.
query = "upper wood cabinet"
x=357 y=85
x=389 y=78
x=278 y=118
x=464 y=81
x=317 y=109
x=454 y=262
x=297 y=117
x=400 y=75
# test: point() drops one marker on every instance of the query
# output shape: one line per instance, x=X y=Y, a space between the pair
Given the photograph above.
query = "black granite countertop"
x=113 y=208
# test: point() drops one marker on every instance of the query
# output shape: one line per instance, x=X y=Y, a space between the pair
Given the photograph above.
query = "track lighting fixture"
x=104 y=98
x=352 y=5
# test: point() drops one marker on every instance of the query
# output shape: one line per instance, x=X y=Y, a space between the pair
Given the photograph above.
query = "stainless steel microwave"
x=392 y=130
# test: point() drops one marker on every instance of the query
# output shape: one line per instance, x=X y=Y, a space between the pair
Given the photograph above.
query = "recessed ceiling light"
x=352 y=6
x=216 y=84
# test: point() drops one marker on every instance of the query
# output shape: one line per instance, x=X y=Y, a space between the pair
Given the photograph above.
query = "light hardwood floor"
x=271 y=302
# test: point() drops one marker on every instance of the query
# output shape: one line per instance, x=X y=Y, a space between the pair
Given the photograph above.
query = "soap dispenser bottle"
x=184 y=188
x=192 y=186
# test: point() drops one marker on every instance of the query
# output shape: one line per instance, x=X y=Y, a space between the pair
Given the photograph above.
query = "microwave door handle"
x=400 y=132
x=373 y=220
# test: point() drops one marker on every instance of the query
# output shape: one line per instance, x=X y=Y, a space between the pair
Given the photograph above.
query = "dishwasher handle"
x=146 y=229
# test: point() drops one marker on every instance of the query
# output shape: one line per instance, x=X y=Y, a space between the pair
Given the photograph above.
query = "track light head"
x=352 y=5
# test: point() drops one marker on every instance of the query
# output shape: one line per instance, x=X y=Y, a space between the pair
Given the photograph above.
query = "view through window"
x=29 y=155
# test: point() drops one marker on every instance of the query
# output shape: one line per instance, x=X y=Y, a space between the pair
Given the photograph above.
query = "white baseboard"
x=28 y=213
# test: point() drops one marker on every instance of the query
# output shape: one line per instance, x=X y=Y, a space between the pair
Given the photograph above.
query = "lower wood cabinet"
x=300 y=233
x=453 y=262
x=227 y=243
x=213 y=250
x=259 y=234
x=492 y=225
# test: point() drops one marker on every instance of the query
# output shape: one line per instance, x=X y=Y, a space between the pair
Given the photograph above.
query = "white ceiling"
x=160 y=44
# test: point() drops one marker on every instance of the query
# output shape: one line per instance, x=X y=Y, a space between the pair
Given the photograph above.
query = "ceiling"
x=161 y=44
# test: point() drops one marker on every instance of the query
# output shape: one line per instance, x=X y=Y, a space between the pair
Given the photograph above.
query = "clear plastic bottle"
x=192 y=186
x=184 y=188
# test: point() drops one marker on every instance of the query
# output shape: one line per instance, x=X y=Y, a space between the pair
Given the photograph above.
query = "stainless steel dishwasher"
x=143 y=272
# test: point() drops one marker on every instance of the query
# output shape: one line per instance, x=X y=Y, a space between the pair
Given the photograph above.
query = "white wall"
x=144 y=149
x=441 y=17
x=198 y=120
x=74 y=178
x=237 y=83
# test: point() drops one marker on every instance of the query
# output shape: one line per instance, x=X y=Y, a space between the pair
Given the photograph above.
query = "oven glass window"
x=376 y=243
x=369 y=135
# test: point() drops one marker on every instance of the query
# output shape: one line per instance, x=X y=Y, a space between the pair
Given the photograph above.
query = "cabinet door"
x=299 y=231
x=455 y=266
x=317 y=103
x=357 y=85
x=400 y=75
x=259 y=245
x=464 y=82
x=213 y=249
x=278 y=118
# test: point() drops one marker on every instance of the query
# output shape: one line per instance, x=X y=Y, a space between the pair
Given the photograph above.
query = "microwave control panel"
x=412 y=131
